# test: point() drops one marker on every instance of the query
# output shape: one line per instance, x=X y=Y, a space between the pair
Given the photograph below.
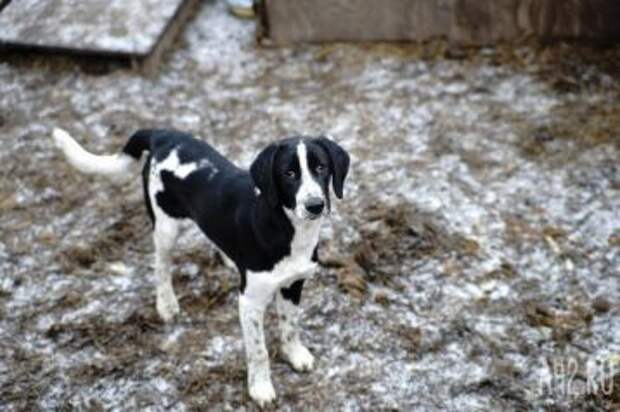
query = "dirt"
x=473 y=264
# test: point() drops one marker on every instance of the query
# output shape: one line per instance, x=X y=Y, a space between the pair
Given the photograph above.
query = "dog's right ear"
x=262 y=173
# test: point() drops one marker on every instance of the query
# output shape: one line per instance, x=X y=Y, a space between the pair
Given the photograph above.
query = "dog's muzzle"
x=314 y=207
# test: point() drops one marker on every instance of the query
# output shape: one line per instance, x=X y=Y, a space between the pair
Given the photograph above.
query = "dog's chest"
x=296 y=265
x=304 y=241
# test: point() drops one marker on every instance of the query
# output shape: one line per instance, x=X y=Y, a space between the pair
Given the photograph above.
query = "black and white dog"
x=264 y=221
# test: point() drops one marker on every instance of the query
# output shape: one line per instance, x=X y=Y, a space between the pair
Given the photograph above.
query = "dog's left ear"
x=262 y=173
x=339 y=160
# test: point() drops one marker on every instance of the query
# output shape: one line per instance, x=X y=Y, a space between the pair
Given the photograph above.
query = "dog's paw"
x=167 y=306
x=299 y=357
x=262 y=393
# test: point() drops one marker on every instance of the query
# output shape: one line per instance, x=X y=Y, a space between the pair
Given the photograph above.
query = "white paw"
x=299 y=357
x=167 y=305
x=262 y=393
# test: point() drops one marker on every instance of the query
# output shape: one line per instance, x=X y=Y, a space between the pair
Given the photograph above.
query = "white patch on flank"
x=206 y=164
x=173 y=164
x=118 y=166
x=259 y=291
x=309 y=187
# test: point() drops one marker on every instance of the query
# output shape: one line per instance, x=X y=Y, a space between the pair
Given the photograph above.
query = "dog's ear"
x=339 y=160
x=262 y=173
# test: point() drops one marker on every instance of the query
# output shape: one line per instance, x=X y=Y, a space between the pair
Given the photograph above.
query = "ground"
x=472 y=265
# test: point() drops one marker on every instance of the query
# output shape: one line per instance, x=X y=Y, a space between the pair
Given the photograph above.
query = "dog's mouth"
x=305 y=215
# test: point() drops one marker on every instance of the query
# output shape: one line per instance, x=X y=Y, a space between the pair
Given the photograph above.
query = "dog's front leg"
x=251 y=312
x=287 y=302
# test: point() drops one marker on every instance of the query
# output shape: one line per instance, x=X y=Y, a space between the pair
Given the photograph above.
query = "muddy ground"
x=473 y=264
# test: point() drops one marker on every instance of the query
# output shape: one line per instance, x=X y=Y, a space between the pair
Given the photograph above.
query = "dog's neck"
x=267 y=219
x=282 y=226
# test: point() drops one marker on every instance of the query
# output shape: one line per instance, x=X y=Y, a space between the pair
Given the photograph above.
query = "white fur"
x=251 y=315
x=173 y=164
x=164 y=237
x=291 y=347
x=309 y=187
x=118 y=166
x=167 y=229
x=259 y=291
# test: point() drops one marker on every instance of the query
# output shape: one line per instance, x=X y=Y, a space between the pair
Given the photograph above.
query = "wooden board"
x=467 y=22
x=122 y=28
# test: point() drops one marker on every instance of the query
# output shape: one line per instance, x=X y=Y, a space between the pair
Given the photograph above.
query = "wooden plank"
x=4 y=3
x=130 y=28
x=467 y=22
x=175 y=25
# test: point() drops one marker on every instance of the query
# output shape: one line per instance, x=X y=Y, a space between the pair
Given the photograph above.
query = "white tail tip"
x=60 y=137
x=116 y=166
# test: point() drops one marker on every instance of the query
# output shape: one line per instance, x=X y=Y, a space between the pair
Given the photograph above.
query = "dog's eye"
x=290 y=174
x=320 y=169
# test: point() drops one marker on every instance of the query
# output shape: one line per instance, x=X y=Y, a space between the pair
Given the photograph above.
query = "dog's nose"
x=315 y=205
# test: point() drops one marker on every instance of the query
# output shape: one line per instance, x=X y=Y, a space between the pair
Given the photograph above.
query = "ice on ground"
x=479 y=236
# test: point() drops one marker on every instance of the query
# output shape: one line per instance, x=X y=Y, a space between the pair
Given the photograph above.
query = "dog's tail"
x=117 y=167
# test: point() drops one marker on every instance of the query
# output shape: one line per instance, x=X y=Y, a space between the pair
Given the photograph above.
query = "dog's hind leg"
x=165 y=236
x=287 y=303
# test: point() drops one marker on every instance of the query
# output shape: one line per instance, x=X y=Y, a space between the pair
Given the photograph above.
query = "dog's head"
x=295 y=173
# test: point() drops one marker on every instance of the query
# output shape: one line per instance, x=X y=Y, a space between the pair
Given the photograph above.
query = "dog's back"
x=183 y=178
x=182 y=166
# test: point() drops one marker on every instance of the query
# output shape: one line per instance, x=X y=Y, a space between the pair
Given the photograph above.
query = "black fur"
x=253 y=230
x=262 y=173
x=146 y=171
x=339 y=163
x=138 y=143
x=293 y=292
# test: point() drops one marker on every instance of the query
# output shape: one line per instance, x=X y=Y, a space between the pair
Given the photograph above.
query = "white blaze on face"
x=309 y=187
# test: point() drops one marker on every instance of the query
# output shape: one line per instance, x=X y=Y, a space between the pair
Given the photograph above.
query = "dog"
x=264 y=221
